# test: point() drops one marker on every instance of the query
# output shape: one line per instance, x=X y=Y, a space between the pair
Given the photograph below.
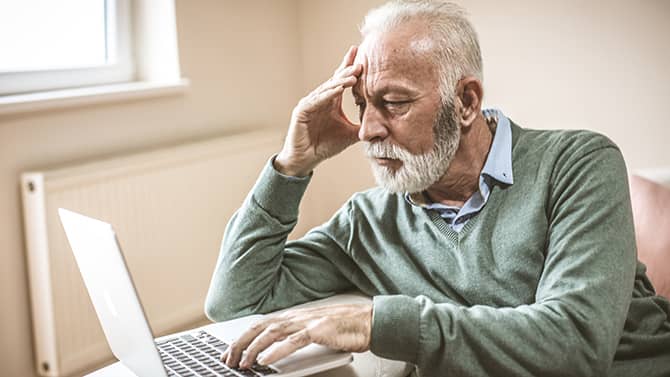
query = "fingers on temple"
x=326 y=95
x=350 y=71
x=335 y=82
x=286 y=347
x=348 y=57
x=327 y=86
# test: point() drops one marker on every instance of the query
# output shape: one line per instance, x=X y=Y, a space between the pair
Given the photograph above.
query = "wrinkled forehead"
x=400 y=43
x=401 y=55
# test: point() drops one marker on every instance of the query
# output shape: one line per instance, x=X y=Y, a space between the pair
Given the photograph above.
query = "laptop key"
x=222 y=347
x=262 y=369
x=246 y=372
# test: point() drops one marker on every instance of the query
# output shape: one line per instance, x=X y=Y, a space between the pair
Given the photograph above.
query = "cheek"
x=415 y=132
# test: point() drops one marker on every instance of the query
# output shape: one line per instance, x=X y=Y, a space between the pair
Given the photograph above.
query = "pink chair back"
x=651 y=214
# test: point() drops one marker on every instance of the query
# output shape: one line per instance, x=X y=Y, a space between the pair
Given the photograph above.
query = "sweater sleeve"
x=581 y=302
x=258 y=271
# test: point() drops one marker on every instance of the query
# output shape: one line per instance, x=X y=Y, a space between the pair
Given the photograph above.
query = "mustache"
x=384 y=149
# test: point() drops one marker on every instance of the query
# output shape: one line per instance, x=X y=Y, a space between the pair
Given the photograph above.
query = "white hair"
x=456 y=53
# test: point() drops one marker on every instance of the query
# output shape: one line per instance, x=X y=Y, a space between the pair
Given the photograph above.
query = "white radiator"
x=169 y=208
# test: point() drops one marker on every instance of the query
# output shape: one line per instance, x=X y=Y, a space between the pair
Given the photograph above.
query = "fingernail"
x=261 y=360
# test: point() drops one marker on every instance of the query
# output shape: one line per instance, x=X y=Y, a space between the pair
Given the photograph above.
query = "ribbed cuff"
x=395 y=328
x=279 y=194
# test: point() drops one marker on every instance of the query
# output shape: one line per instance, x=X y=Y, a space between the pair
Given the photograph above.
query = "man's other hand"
x=343 y=327
x=319 y=129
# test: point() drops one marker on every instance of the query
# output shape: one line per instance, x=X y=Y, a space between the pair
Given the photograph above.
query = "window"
x=48 y=45
x=73 y=53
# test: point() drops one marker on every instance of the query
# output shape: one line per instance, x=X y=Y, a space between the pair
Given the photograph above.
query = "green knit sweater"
x=544 y=281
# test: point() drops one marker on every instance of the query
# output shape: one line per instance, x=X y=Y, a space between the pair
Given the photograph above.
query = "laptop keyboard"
x=199 y=355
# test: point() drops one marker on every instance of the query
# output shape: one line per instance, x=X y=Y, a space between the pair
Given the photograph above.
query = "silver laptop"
x=191 y=353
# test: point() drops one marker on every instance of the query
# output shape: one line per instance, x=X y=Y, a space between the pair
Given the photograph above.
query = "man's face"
x=411 y=136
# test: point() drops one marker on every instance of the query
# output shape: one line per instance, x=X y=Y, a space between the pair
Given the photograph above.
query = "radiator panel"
x=169 y=208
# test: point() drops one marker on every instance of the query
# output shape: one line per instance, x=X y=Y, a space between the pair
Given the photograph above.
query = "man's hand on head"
x=319 y=129
x=341 y=327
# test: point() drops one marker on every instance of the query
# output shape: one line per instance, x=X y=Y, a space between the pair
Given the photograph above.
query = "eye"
x=396 y=106
x=395 y=101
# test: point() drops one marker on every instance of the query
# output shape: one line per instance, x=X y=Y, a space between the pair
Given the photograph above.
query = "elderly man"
x=489 y=249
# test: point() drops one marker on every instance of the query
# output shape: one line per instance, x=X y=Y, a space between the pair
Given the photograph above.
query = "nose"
x=372 y=127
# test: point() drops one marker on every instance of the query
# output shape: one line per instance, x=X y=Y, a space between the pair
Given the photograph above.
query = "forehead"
x=400 y=57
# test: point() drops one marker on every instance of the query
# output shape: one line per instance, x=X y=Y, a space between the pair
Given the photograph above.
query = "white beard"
x=418 y=171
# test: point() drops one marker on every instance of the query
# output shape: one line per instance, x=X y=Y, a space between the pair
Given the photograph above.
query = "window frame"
x=120 y=69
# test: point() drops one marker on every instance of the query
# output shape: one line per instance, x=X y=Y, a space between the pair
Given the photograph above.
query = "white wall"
x=599 y=65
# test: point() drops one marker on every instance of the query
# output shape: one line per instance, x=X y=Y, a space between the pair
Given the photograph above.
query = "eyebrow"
x=395 y=88
x=387 y=88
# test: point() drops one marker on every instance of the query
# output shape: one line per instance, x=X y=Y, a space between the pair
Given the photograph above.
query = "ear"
x=469 y=93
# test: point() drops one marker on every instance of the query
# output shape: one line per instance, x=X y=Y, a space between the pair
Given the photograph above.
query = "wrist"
x=290 y=167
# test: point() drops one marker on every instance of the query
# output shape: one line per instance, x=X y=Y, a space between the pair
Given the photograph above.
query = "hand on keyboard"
x=199 y=355
x=341 y=327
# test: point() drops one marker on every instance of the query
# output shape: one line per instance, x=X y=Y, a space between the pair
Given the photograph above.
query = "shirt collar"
x=498 y=164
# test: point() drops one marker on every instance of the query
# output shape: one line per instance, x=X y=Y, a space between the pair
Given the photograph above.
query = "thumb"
x=350 y=131
x=351 y=128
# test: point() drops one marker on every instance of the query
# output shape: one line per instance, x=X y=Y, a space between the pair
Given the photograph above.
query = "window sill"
x=58 y=99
